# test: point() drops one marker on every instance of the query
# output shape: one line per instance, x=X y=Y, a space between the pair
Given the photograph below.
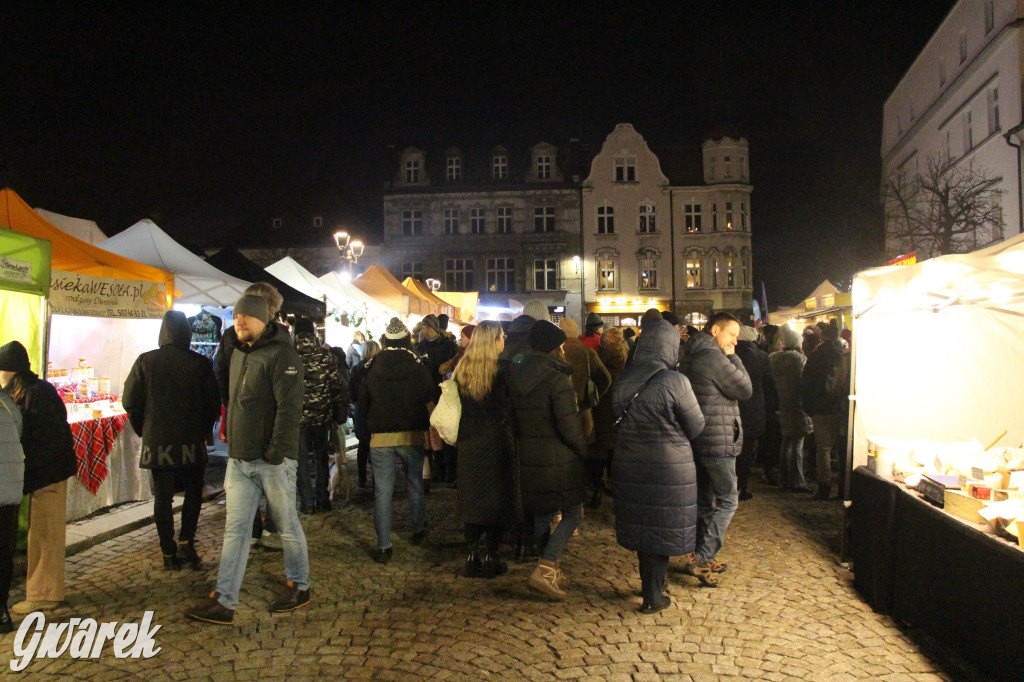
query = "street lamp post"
x=350 y=249
x=433 y=284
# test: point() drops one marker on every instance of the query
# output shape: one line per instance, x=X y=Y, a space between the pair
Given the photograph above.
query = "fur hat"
x=304 y=325
x=791 y=338
x=14 y=358
x=521 y=325
x=253 y=306
x=748 y=333
x=569 y=326
x=545 y=336
x=397 y=330
x=536 y=309
x=593 y=321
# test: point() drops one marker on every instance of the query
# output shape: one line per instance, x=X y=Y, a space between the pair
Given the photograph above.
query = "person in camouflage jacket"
x=324 y=406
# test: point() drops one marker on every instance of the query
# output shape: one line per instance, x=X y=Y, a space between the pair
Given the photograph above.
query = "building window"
x=607 y=275
x=451 y=221
x=501 y=275
x=318 y=221
x=648 y=222
x=545 y=274
x=412 y=269
x=714 y=272
x=963 y=46
x=691 y=217
x=454 y=168
x=412 y=170
x=694 y=272
x=625 y=169
x=458 y=274
x=728 y=215
x=648 y=278
x=727 y=161
x=412 y=223
x=544 y=219
x=477 y=222
x=606 y=219
x=993 y=111
x=743 y=216
x=730 y=274
x=714 y=217
x=968 y=133
x=499 y=167
x=505 y=220
x=275 y=223
x=990 y=17
x=544 y=167
x=745 y=264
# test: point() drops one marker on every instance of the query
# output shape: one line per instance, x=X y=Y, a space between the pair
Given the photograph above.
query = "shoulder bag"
x=637 y=395
x=448 y=412
x=593 y=395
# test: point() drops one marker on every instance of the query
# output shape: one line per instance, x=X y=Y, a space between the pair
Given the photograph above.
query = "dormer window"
x=412 y=171
x=499 y=167
x=454 y=168
x=318 y=221
x=544 y=167
x=625 y=169
x=275 y=223
x=728 y=170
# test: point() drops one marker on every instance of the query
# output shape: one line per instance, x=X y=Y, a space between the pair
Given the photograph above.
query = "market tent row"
x=379 y=283
x=465 y=303
x=231 y=261
x=437 y=305
x=935 y=349
x=195 y=280
x=357 y=312
x=821 y=305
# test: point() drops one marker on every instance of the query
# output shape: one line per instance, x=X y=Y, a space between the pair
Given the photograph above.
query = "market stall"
x=295 y=302
x=421 y=290
x=379 y=283
x=936 y=427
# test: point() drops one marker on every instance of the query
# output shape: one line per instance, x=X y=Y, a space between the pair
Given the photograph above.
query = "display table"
x=108 y=466
x=961 y=585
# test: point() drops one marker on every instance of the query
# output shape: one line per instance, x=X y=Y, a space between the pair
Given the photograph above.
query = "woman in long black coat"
x=486 y=463
x=653 y=472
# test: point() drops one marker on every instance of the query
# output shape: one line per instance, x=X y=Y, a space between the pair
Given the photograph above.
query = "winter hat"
x=545 y=336
x=304 y=325
x=748 y=333
x=830 y=332
x=467 y=331
x=569 y=326
x=431 y=321
x=397 y=330
x=670 y=317
x=253 y=306
x=628 y=333
x=521 y=325
x=593 y=321
x=536 y=309
x=791 y=338
x=442 y=322
x=650 y=314
x=14 y=358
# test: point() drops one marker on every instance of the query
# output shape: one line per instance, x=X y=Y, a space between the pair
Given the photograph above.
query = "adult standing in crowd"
x=613 y=352
x=438 y=348
x=49 y=461
x=825 y=396
x=551 y=449
x=171 y=399
x=586 y=366
x=787 y=368
x=487 y=467
x=354 y=354
x=397 y=394
x=719 y=381
x=448 y=367
x=370 y=349
x=593 y=327
x=263 y=416
x=771 y=440
x=653 y=470
x=12 y=481
x=324 y=405
x=752 y=411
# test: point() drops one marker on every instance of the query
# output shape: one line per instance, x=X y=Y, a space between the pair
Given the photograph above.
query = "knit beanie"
x=521 y=325
x=536 y=309
x=593 y=322
x=304 y=325
x=14 y=358
x=431 y=321
x=467 y=331
x=397 y=330
x=253 y=306
x=791 y=338
x=569 y=326
x=545 y=336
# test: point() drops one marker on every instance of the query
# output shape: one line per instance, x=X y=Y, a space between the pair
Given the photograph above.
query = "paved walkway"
x=784 y=610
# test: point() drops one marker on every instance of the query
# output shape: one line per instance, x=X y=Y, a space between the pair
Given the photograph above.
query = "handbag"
x=637 y=395
x=593 y=395
x=448 y=412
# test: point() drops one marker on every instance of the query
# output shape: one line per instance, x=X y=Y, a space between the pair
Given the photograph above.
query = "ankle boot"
x=473 y=565
x=172 y=562
x=491 y=565
x=545 y=580
x=188 y=554
x=6 y=624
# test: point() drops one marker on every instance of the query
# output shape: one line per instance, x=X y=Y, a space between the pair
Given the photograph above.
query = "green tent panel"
x=24 y=263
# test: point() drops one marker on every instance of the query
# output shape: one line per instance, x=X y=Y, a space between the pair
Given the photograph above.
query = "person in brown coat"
x=586 y=364
x=613 y=352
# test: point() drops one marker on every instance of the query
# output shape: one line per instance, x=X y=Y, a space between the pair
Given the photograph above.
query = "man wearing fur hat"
x=264 y=408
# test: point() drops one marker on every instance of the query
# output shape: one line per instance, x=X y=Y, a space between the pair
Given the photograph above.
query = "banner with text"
x=72 y=293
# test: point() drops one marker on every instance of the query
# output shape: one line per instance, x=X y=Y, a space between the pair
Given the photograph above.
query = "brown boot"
x=545 y=580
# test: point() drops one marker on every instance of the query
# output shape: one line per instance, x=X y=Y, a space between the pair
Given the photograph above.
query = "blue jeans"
x=717 y=499
x=385 y=470
x=791 y=462
x=313 y=440
x=245 y=483
x=555 y=542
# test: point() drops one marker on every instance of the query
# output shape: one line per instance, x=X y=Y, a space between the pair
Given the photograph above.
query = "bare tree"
x=947 y=208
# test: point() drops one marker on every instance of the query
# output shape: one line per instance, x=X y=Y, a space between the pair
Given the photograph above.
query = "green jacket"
x=265 y=404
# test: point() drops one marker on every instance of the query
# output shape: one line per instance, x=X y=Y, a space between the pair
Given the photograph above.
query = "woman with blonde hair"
x=486 y=464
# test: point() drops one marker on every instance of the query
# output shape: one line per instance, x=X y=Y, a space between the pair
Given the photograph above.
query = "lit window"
x=412 y=223
x=625 y=169
x=544 y=167
x=607 y=277
x=505 y=220
x=730 y=275
x=501 y=275
x=648 y=273
x=648 y=223
x=499 y=167
x=412 y=170
x=545 y=274
x=692 y=217
x=412 y=269
x=544 y=219
x=714 y=272
x=458 y=274
x=605 y=220
x=993 y=111
x=728 y=215
x=451 y=221
x=477 y=223
x=454 y=168
x=694 y=269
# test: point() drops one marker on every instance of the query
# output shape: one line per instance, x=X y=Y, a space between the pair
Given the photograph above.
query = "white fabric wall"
x=110 y=345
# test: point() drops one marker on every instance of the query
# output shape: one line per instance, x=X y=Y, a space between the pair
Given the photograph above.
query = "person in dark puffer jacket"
x=719 y=381
x=752 y=411
x=551 y=449
x=12 y=480
x=172 y=402
x=826 y=408
x=653 y=470
x=324 y=404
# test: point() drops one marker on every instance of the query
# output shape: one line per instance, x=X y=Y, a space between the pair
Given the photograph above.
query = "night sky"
x=202 y=117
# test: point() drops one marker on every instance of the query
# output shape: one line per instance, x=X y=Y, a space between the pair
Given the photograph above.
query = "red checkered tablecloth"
x=93 y=440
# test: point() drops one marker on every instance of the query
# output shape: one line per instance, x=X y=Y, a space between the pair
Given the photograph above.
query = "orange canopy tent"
x=422 y=291
x=383 y=286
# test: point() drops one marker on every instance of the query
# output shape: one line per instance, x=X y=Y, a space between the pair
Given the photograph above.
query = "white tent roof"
x=340 y=297
x=86 y=230
x=197 y=280
x=356 y=294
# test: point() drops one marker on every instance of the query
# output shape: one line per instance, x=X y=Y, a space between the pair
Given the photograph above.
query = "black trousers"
x=8 y=542
x=745 y=461
x=653 y=574
x=362 y=458
x=163 y=494
x=475 y=531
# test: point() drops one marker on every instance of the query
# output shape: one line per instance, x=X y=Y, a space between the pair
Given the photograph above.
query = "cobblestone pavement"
x=784 y=610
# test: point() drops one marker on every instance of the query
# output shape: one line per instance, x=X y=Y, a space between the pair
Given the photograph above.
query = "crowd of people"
x=668 y=422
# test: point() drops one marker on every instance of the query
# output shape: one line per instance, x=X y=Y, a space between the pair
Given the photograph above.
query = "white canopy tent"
x=80 y=228
x=936 y=349
x=197 y=280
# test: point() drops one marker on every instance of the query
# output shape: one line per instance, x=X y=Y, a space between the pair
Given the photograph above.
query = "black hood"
x=394 y=364
x=659 y=344
x=175 y=330
x=699 y=343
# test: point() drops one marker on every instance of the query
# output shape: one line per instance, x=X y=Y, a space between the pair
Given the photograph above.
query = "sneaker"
x=662 y=604
x=271 y=540
x=545 y=580
x=172 y=562
x=290 y=599
x=23 y=608
x=211 y=611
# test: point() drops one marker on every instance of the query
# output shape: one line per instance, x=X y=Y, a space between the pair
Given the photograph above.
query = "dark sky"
x=180 y=114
